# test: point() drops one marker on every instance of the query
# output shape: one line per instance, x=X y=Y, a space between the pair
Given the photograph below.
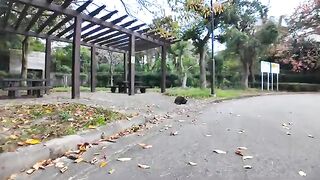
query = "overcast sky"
x=277 y=7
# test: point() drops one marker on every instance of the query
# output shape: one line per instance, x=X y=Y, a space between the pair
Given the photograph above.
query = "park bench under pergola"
x=86 y=29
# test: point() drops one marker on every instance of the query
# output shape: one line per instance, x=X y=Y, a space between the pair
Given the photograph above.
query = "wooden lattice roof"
x=99 y=27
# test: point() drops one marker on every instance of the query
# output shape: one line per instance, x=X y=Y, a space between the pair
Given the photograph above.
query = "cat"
x=180 y=100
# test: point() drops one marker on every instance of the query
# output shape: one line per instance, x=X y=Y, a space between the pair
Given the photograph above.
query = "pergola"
x=93 y=29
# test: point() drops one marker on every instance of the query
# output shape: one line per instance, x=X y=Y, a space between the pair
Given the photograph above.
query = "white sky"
x=277 y=7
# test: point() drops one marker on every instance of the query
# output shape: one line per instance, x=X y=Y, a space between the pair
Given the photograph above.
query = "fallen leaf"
x=64 y=169
x=303 y=174
x=241 y=131
x=247 y=157
x=111 y=140
x=30 y=171
x=103 y=164
x=111 y=171
x=124 y=159
x=94 y=160
x=73 y=156
x=219 y=151
x=13 y=177
x=78 y=160
x=39 y=165
x=242 y=148
x=92 y=127
x=32 y=141
x=13 y=137
x=174 y=133
x=310 y=136
x=247 y=167
x=145 y=146
x=239 y=152
x=59 y=164
x=192 y=163
x=143 y=166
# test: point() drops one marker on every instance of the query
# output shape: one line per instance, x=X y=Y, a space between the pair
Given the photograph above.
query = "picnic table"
x=14 y=86
x=123 y=86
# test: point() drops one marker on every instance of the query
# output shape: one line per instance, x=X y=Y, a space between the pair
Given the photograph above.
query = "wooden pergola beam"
x=7 y=15
x=120 y=33
x=101 y=28
x=55 y=38
x=114 y=41
x=70 y=12
x=22 y=15
x=93 y=72
x=48 y=59
x=65 y=4
x=132 y=60
x=36 y=17
x=163 y=68
x=68 y=18
x=113 y=35
x=79 y=10
x=126 y=40
x=104 y=18
x=93 y=13
x=76 y=45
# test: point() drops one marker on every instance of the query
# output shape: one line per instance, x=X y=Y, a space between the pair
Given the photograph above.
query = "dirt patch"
x=23 y=125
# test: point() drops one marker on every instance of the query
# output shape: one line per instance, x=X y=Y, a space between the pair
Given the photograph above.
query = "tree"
x=244 y=37
x=305 y=20
x=183 y=60
x=199 y=14
x=300 y=50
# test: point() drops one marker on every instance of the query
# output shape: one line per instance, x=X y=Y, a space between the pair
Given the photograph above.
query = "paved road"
x=276 y=155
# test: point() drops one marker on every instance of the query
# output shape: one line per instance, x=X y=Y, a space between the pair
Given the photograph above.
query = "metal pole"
x=268 y=82
x=277 y=82
x=272 y=81
x=213 y=75
x=262 y=81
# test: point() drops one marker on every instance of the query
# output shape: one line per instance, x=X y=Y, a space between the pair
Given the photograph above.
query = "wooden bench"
x=142 y=89
x=34 y=87
x=34 y=91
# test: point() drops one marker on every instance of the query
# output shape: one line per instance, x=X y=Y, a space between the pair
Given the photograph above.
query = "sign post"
x=275 y=69
x=265 y=68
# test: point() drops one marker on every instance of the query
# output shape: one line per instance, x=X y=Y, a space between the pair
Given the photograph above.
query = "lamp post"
x=213 y=69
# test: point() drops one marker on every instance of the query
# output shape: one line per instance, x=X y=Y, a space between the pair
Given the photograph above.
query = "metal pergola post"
x=93 y=71
x=76 y=58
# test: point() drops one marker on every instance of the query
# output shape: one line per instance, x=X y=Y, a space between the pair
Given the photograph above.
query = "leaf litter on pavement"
x=24 y=125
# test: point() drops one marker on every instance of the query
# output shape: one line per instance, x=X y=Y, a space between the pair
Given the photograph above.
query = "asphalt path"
x=281 y=133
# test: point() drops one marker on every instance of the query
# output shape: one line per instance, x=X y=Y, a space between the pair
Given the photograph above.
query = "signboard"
x=133 y=59
x=275 y=68
x=265 y=67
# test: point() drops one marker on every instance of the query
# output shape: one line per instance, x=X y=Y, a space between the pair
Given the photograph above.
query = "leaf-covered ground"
x=24 y=125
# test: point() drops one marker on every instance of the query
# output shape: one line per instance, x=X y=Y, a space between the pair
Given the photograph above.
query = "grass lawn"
x=82 y=89
x=23 y=125
x=205 y=93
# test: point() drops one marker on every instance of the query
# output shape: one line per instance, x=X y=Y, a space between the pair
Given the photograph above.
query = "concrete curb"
x=250 y=96
x=26 y=157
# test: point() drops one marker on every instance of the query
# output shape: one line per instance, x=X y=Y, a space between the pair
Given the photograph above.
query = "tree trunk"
x=253 y=80
x=184 y=80
x=202 y=64
x=245 y=75
x=24 y=61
